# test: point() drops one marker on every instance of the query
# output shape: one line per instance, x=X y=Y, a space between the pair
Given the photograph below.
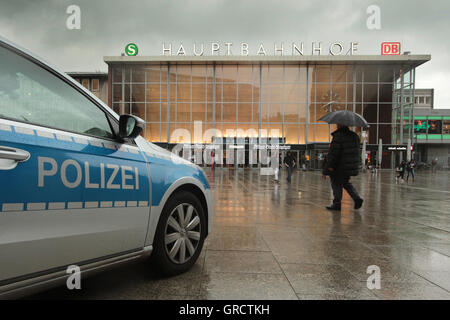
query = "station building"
x=247 y=101
x=96 y=82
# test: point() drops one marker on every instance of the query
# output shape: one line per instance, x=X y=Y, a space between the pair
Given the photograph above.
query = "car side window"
x=29 y=93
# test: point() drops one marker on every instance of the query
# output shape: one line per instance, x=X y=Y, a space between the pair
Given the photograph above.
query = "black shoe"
x=334 y=207
x=358 y=203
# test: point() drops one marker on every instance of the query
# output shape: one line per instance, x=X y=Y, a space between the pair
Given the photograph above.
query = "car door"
x=69 y=192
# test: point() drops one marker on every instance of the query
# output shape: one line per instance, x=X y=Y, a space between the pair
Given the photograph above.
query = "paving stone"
x=279 y=242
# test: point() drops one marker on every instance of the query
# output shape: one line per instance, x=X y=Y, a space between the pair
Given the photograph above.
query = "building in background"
x=96 y=82
x=431 y=132
x=423 y=99
x=250 y=100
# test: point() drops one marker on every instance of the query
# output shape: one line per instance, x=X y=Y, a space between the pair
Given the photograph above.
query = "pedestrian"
x=399 y=170
x=410 y=168
x=342 y=162
x=289 y=162
x=433 y=165
x=403 y=166
x=373 y=169
x=275 y=164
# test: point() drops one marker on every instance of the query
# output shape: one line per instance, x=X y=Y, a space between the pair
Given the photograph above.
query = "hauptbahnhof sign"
x=244 y=49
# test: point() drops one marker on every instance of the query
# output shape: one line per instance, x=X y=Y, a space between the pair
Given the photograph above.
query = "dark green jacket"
x=344 y=155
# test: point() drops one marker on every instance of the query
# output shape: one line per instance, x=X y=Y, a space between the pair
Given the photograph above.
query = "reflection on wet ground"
x=274 y=241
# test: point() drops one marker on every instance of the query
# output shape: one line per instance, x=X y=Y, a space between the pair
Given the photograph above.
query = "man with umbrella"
x=343 y=158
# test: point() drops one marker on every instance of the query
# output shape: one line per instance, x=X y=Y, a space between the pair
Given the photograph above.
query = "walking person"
x=289 y=162
x=399 y=170
x=410 y=168
x=403 y=166
x=275 y=164
x=342 y=162
x=433 y=165
x=304 y=167
x=213 y=157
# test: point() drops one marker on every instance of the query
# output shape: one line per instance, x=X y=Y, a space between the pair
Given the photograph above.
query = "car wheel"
x=180 y=234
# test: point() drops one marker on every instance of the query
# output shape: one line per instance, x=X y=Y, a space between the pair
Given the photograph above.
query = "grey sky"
x=107 y=26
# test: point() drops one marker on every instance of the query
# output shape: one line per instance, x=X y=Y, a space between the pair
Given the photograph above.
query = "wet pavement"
x=274 y=241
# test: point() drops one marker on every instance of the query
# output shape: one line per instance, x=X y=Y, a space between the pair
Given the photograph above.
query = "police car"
x=79 y=186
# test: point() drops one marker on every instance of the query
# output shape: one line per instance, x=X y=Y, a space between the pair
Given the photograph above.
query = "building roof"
x=431 y=112
x=97 y=74
x=422 y=90
x=411 y=60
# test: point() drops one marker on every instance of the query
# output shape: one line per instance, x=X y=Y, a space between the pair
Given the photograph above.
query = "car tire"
x=178 y=242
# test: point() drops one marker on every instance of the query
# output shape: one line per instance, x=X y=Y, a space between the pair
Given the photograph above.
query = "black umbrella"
x=345 y=118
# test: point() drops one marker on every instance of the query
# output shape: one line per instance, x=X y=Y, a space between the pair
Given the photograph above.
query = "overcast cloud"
x=107 y=26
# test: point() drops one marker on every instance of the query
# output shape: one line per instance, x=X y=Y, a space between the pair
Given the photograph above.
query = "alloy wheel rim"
x=182 y=233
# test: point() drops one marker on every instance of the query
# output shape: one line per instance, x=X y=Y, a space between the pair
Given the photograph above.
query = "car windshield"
x=31 y=94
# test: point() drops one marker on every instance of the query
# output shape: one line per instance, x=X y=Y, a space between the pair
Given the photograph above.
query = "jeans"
x=339 y=183
x=411 y=171
x=289 y=174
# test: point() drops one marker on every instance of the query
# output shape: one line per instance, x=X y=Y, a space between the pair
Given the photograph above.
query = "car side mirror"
x=130 y=126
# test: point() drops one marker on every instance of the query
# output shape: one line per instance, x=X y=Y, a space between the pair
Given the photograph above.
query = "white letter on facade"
x=337 y=44
x=244 y=49
x=261 y=50
x=228 y=45
x=74 y=20
x=353 y=47
x=296 y=49
x=181 y=51
x=41 y=170
x=318 y=49
x=168 y=50
x=198 y=53
x=214 y=48
x=275 y=49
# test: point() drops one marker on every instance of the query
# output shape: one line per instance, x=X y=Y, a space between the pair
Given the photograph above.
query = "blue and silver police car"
x=79 y=185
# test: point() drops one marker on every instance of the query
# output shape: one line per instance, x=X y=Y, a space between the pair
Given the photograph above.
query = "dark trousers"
x=289 y=173
x=410 y=172
x=339 y=183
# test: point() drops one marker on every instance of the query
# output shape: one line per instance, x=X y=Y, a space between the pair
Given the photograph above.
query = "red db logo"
x=390 y=48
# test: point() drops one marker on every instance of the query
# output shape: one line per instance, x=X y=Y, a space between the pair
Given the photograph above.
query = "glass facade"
x=249 y=103
x=261 y=100
x=403 y=107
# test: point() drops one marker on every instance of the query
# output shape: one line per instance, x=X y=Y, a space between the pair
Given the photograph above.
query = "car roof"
x=60 y=73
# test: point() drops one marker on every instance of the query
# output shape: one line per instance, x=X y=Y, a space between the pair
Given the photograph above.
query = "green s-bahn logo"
x=131 y=49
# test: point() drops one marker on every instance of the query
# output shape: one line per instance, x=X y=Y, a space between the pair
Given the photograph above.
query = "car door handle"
x=14 y=154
